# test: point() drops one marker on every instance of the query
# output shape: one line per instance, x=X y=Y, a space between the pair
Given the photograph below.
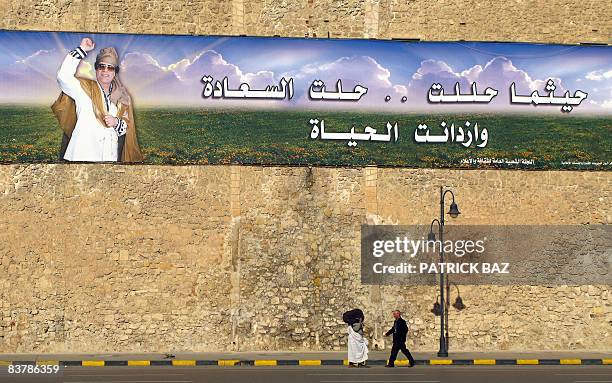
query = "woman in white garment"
x=103 y=109
x=357 y=345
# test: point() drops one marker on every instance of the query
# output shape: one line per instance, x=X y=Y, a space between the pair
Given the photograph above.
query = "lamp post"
x=454 y=213
x=458 y=302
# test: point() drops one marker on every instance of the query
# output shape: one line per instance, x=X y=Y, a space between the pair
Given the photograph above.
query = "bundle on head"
x=353 y=316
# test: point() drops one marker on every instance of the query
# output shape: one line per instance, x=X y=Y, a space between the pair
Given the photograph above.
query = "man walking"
x=399 y=331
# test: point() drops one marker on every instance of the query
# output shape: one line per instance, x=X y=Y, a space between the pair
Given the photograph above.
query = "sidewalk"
x=306 y=358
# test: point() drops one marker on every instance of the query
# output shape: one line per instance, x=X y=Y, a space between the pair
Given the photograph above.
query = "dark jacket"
x=399 y=331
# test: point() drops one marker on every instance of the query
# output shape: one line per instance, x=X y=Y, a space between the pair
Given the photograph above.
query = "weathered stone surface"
x=557 y=21
x=130 y=258
x=155 y=16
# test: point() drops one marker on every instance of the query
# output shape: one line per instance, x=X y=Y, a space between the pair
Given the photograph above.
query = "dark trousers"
x=395 y=349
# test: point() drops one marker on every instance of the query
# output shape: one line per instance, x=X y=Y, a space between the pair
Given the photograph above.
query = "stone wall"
x=156 y=258
x=560 y=21
x=152 y=258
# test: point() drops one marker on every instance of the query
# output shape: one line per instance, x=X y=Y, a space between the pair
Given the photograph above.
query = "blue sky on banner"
x=167 y=70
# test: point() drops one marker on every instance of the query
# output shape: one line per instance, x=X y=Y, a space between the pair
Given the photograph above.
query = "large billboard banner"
x=156 y=99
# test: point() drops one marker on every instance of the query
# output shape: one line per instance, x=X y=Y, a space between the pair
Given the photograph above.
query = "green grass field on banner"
x=197 y=136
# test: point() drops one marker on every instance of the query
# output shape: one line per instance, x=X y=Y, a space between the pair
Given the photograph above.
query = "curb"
x=310 y=362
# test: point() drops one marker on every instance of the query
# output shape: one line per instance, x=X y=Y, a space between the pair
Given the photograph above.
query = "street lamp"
x=459 y=305
x=458 y=302
x=437 y=309
x=454 y=213
x=431 y=236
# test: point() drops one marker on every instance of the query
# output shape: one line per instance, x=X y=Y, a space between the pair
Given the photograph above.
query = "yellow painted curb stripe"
x=441 y=361
x=183 y=362
x=310 y=363
x=570 y=361
x=265 y=363
x=92 y=363
x=139 y=362
x=484 y=361
x=46 y=362
x=227 y=362
x=305 y=362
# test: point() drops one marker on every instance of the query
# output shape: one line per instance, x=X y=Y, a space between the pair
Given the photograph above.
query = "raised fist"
x=87 y=44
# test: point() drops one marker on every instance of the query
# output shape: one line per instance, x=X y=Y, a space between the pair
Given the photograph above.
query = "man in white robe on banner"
x=96 y=115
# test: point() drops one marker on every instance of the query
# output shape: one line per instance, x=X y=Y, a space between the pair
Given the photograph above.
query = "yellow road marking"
x=484 y=361
x=265 y=363
x=93 y=363
x=183 y=362
x=139 y=362
x=227 y=362
x=441 y=361
x=527 y=361
x=310 y=363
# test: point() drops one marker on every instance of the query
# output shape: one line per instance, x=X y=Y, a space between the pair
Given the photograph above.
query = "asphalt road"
x=326 y=374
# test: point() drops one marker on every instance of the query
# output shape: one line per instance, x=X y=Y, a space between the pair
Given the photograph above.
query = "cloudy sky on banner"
x=167 y=70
